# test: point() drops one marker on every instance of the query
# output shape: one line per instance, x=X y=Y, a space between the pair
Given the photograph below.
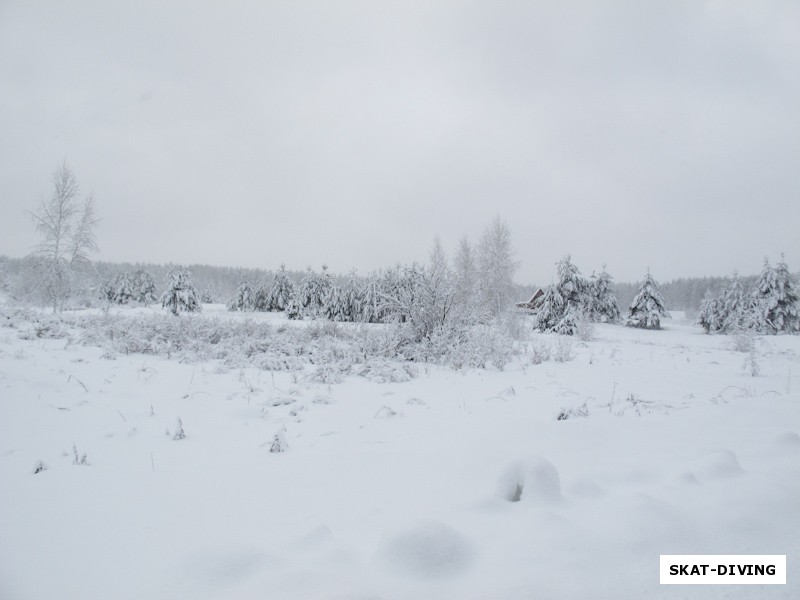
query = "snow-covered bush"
x=562 y=349
x=584 y=327
x=540 y=352
x=78 y=459
x=279 y=443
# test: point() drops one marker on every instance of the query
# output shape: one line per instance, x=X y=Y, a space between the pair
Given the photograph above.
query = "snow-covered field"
x=451 y=485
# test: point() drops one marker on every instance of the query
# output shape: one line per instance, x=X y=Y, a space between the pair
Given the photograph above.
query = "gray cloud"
x=659 y=134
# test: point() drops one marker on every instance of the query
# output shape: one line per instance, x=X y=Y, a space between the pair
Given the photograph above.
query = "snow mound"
x=534 y=480
x=586 y=488
x=386 y=412
x=788 y=440
x=428 y=550
x=225 y=567
x=718 y=465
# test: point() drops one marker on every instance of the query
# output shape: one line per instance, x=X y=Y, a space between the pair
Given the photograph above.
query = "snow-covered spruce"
x=277 y=296
x=602 y=303
x=244 y=300
x=144 y=287
x=709 y=318
x=647 y=307
x=562 y=302
x=181 y=295
x=776 y=299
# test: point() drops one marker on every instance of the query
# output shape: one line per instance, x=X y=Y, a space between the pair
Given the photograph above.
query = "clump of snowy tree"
x=275 y=297
x=180 y=295
x=372 y=297
x=244 y=300
x=731 y=312
x=572 y=302
x=647 y=307
x=126 y=287
x=314 y=293
x=425 y=297
x=345 y=303
x=770 y=307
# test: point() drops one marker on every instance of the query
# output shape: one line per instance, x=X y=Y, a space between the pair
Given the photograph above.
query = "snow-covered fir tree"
x=281 y=292
x=261 y=297
x=333 y=307
x=293 y=310
x=371 y=300
x=551 y=309
x=144 y=287
x=180 y=295
x=314 y=291
x=602 y=303
x=776 y=297
x=351 y=300
x=647 y=307
x=123 y=288
x=709 y=317
x=244 y=299
x=733 y=307
x=563 y=302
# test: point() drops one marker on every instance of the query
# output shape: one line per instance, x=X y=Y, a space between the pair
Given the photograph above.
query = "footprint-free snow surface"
x=540 y=481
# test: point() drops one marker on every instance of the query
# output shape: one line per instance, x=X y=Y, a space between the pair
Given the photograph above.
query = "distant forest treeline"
x=219 y=284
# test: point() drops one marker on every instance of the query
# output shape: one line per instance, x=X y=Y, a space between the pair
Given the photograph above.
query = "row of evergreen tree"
x=769 y=306
x=126 y=287
x=573 y=299
x=477 y=285
x=430 y=296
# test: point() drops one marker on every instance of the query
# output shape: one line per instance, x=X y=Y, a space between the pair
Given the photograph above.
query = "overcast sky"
x=639 y=134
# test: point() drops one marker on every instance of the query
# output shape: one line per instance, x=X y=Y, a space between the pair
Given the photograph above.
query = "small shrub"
x=750 y=365
x=581 y=411
x=78 y=460
x=584 y=328
x=563 y=349
x=540 y=352
x=279 y=443
x=179 y=433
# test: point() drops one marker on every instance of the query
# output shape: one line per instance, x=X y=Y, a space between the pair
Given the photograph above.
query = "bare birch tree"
x=66 y=226
x=496 y=266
